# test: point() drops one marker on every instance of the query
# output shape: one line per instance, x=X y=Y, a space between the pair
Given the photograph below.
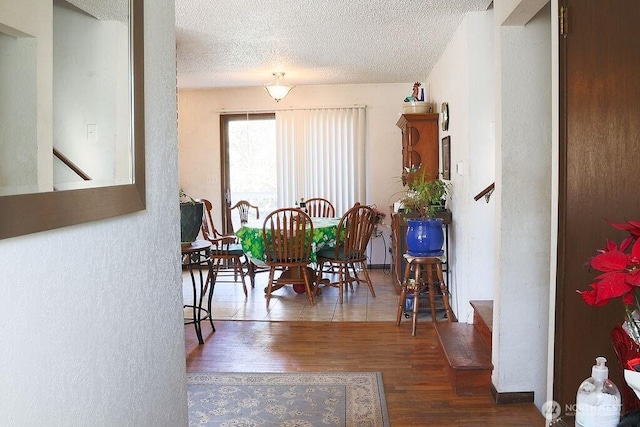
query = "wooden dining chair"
x=287 y=235
x=227 y=256
x=352 y=237
x=245 y=211
x=318 y=207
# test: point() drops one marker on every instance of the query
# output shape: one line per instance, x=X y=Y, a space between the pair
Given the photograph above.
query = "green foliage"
x=425 y=195
x=185 y=198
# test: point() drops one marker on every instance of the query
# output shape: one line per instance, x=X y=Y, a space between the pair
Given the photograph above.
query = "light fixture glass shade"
x=278 y=89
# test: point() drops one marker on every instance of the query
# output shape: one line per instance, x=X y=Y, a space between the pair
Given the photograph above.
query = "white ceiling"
x=230 y=43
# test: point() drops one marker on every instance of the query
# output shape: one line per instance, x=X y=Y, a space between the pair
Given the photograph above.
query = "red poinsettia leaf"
x=625 y=243
x=590 y=298
x=611 y=285
x=628 y=299
x=609 y=261
x=635 y=253
x=633 y=278
x=611 y=246
x=632 y=226
x=619 y=225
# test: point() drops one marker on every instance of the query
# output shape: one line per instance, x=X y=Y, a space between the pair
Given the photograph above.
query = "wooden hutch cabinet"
x=420 y=144
x=420 y=149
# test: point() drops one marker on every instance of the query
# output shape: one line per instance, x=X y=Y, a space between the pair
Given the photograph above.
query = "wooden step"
x=483 y=319
x=468 y=358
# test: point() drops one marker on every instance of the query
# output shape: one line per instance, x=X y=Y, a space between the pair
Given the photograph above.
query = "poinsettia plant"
x=619 y=265
x=379 y=215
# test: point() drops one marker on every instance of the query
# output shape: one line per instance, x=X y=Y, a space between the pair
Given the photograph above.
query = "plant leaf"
x=634 y=258
x=609 y=261
x=633 y=278
x=632 y=226
x=611 y=285
x=590 y=298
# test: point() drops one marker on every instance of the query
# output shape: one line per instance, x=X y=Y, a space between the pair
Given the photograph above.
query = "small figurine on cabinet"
x=415 y=95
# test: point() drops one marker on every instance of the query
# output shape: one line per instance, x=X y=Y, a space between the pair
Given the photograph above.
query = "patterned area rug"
x=286 y=399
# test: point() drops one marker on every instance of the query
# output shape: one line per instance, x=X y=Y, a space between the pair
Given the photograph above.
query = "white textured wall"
x=463 y=77
x=501 y=249
x=199 y=130
x=91 y=315
x=30 y=19
x=18 y=115
x=523 y=220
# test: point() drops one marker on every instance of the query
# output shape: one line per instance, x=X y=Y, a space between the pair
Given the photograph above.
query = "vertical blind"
x=321 y=153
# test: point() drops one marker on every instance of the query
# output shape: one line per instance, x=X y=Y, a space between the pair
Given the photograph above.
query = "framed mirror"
x=71 y=112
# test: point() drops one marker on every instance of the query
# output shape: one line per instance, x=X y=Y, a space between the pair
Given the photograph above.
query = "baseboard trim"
x=511 y=397
x=377 y=266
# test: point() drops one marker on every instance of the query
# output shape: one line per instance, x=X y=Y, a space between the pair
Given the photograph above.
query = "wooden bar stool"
x=432 y=268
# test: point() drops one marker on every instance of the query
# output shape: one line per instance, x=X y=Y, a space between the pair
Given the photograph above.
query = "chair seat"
x=232 y=249
x=330 y=254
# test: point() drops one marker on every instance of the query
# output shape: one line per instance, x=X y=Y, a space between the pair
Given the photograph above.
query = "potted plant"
x=190 y=218
x=618 y=267
x=424 y=198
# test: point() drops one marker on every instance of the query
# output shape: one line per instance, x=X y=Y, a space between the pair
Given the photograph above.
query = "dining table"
x=324 y=235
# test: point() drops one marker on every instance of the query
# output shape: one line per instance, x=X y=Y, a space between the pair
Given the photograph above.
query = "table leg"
x=294 y=275
x=195 y=306
x=209 y=312
x=401 y=303
x=193 y=262
x=432 y=291
x=445 y=293
x=252 y=272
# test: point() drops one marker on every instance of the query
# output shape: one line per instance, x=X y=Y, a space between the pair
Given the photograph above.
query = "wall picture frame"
x=444 y=111
x=446 y=157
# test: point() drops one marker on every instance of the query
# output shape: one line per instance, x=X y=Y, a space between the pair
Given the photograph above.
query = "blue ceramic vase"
x=425 y=236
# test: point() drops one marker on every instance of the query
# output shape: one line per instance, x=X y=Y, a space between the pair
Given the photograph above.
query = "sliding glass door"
x=248 y=164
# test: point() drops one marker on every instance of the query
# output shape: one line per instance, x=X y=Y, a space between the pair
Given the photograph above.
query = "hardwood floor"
x=417 y=389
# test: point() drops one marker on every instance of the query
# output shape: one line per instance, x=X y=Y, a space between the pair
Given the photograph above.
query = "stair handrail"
x=486 y=193
x=64 y=159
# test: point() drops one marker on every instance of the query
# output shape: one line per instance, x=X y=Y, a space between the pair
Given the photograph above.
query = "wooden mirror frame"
x=30 y=213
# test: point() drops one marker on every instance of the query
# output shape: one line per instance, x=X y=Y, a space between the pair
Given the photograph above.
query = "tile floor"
x=229 y=302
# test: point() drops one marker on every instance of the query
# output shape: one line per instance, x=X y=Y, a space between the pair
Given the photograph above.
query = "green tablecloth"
x=250 y=235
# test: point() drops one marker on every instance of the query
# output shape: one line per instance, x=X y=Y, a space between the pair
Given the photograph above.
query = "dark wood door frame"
x=599 y=175
x=225 y=180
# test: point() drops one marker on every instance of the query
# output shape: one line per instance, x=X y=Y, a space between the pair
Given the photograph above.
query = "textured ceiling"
x=227 y=43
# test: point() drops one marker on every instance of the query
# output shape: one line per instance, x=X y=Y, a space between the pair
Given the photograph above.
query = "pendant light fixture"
x=278 y=89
